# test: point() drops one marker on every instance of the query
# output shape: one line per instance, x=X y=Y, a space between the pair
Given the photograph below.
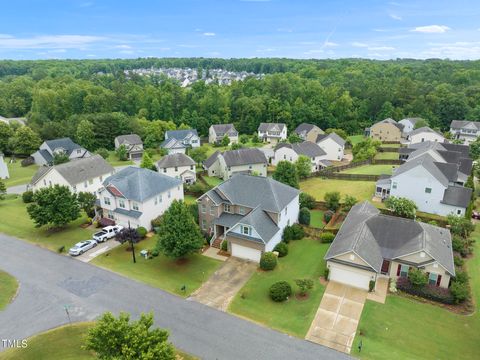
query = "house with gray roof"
x=333 y=145
x=409 y=124
x=4 y=174
x=79 y=175
x=386 y=130
x=308 y=132
x=179 y=166
x=135 y=196
x=370 y=245
x=178 y=141
x=424 y=134
x=49 y=148
x=247 y=161
x=465 y=130
x=272 y=132
x=249 y=213
x=291 y=153
x=217 y=132
x=133 y=143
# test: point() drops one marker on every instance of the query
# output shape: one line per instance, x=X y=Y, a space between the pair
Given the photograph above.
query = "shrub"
x=88 y=220
x=332 y=200
x=457 y=243
x=27 y=161
x=27 y=197
x=327 y=216
x=458 y=261
x=142 y=232
x=417 y=277
x=327 y=237
x=282 y=249
x=304 y=285
x=197 y=188
x=326 y=272
x=268 y=261
x=280 y=291
x=304 y=216
x=224 y=246
x=461 y=277
x=430 y=292
x=459 y=291
x=371 y=285
x=103 y=152
x=156 y=222
x=61 y=249
x=307 y=201
x=155 y=252
x=243 y=139
x=294 y=232
x=348 y=202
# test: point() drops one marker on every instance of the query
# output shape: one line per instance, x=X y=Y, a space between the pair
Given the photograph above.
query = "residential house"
x=308 y=132
x=133 y=143
x=80 y=175
x=370 y=245
x=179 y=166
x=467 y=131
x=135 y=196
x=178 y=141
x=424 y=134
x=249 y=213
x=291 y=152
x=409 y=124
x=216 y=133
x=333 y=145
x=4 y=174
x=50 y=148
x=224 y=165
x=385 y=130
x=272 y=132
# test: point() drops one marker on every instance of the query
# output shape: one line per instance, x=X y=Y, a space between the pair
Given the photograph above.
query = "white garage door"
x=247 y=253
x=349 y=277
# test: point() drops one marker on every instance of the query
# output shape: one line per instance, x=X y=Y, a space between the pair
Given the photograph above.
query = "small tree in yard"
x=307 y=201
x=417 y=277
x=55 y=206
x=198 y=154
x=304 y=216
x=402 y=207
x=304 y=166
x=129 y=235
x=304 y=285
x=349 y=202
x=122 y=153
x=225 y=141
x=294 y=138
x=460 y=226
x=332 y=200
x=178 y=234
x=119 y=338
x=103 y=153
x=243 y=139
x=86 y=201
x=3 y=190
x=286 y=173
x=147 y=162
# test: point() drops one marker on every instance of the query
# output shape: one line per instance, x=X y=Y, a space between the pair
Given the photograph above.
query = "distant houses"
x=179 y=166
x=247 y=161
x=216 y=133
x=424 y=134
x=178 y=141
x=409 y=124
x=291 y=153
x=308 y=132
x=64 y=146
x=464 y=130
x=385 y=130
x=133 y=143
x=272 y=132
x=4 y=174
x=333 y=146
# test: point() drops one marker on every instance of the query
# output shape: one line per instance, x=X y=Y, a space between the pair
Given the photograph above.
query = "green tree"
x=294 y=138
x=147 y=162
x=475 y=149
x=60 y=158
x=85 y=134
x=25 y=141
x=54 y=206
x=6 y=132
x=198 y=154
x=3 y=190
x=236 y=146
x=255 y=138
x=460 y=226
x=120 y=338
x=103 y=153
x=286 y=172
x=304 y=166
x=348 y=202
x=243 y=139
x=179 y=235
x=122 y=153
x=304 y=285
x=225 y=141
x=365 y=149
x=401 y=206
x=332 y=200
x=420 y=123
x=86 y=202
x=307 y=201
x=417 y=277
x=340 y=132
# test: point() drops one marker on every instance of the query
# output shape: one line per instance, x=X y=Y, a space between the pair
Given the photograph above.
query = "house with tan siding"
x=385 y=130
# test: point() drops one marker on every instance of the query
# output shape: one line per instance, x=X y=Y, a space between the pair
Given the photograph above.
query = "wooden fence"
x=389 y=149
x=387 y=162
x=354 y=177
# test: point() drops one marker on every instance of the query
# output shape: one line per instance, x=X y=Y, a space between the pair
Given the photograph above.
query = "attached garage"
x=349 y=275
x=244 y=252
x=136 y=156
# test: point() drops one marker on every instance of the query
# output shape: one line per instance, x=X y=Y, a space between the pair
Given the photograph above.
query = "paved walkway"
x=219 y=290
x=98 y=250
x=381 y=289
x=212 y=252
x=336 y=321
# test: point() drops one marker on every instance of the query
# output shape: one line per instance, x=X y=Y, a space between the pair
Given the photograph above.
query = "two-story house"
x=333 y=146
x=135 y=196
x=224 y=165
x=467 y=131
x=308 y=132
x=133 y=143
x=80 y=175
x=424 y=134
x=249 y=213
x=216 y=133
x=179 y=166
x=178 y=141
x=370 y=245
x=385 y=130
x=4 y=174
x=291 y=153
x=49 y=148
x=409 y=124
x=272 y=132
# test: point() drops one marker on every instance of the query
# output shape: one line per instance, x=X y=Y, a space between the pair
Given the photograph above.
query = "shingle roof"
x=458 y=124
x=40 y=172
x=46 y=155
x=140 y=184
x=244 y=157
x=424 y=129
x=180 y=134
x=131 y=213
x=412 y=120
x=222 y=129
x=333 y=136
x=270 y=127
x=64 y=143
x=262 y=223
x=131 y=139
x=304 y=128
x=428 y=162
x=306 y=148
x=209 y=162
x=457 y=196
x=173 y=160
x=391 y=121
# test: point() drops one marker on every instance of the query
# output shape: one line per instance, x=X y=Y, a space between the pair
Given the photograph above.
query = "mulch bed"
x=465 y=308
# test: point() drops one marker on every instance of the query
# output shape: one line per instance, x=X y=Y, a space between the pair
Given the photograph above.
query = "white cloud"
x=128 y=52
x=209 y=34
x=395 y=17
x=48 y=41
x=122 y=46
x=431 y=29
x=330 y=44
x=359 y=44
x=380 y=48
x=460 y=50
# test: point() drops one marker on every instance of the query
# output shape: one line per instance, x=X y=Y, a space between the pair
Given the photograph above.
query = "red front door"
x=385 y=266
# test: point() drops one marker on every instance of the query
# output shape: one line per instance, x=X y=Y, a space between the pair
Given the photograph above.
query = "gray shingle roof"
x=262 y=223
x=306 y=148
x=457 y=196
x=131 y=139
x=64 y=143
x=46 y=155
x=172 y=143
x=39 y=174
x=222 y=129
x=244 y=157
x=424 y=129
x=333 y=136
x=140 y=184
x=131 y=213
x=173 y=160
x=271 y=127
x=180 y=134
x=428 y=162
x=391 y=121
x=228 y=220
x=458 y=124
x=304 y=128
x=209 y=162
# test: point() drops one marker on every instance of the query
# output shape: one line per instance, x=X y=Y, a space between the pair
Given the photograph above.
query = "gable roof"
x=306 y=148
x=173 y=160
x=457 y=196
x=322 y=137
x=263 y=127
x=413 y=121
x=222 y=129
x=305 y=128
x=140 y=184
x=261 y=222
x=64 y=143
x=211 y=160
x=458 y=124
x=131 y=139
x=442 y=173
x=180 y=134
x=244 y=157
x=425 y=129
x=390 y=121
x=173 y=144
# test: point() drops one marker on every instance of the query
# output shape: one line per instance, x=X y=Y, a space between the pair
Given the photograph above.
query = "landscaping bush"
x=430 y=292
x=304 y=216
x=61 y=249
x=327 y=216
x=155 y=252
x=103 y=153
x=103 y=222
x=349 y=202
x=27 y=161
x=224 y=246
x=457 y=243
x=327 y=237
x=88 y=220
x=459 y=291
x=332 y=200
x=371 y=285
x=326 y=272
x=142 y=232
x=198 y=188
x=304 y=285
x=307 y=201
x=417 y=277
x=280 y=291
x=156 y=222
x=282 y=249
x=294 y=232
x=458 y=261
x=268 y=261
x=27 y=197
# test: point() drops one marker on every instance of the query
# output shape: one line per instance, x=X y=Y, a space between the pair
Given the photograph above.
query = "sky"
x=96 y=29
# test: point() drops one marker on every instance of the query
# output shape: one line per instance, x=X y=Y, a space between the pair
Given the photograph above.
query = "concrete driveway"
x=99 y=249
x=337 y=317
x=219 y=290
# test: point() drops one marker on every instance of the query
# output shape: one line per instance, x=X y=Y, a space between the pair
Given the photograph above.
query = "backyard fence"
x=387 y=162
x=354 y=177
x=389 y=149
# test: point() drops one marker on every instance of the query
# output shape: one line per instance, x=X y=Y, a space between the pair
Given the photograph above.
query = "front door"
x=385 y=266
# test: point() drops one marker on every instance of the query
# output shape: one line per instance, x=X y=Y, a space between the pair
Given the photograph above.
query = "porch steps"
x=217 y=243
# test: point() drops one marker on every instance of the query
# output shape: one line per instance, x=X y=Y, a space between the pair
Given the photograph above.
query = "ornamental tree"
x=401 y=206
x=286 y=173
x=304 y=166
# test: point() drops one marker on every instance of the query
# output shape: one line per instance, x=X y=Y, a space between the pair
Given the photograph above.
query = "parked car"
x=476 y=215
x=81 y=247
x=107 y=232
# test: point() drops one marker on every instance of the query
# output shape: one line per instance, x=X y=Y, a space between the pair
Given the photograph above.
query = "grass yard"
x=318 y=187
x=16 y=222
x=370 y=170
x=161 y=272
x=304 y=260
x=386 y=156
x=212 y=181
x=189 y=199
x=19 y=174
x=316 y=219
x=113 y=160
x=8 y=289
x=62 y=343
x=390 y=145
x=212 y=149
x=355 y=139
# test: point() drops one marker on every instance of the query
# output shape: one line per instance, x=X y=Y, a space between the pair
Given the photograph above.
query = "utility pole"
x=131 y=242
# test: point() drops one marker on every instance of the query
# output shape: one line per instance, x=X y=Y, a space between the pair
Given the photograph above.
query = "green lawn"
x=160 y=271
x=190 y=199
x=15 y=221
x=113 y=160
x=370 y=170
x=316 y=219
x=355 y=139
x=212 y=149
x=390 y=145
x=8 y=289
x=62 y=343
x=317 y=187
x=19 y=174
x=386 y=156
x=212 y=181
x=304 y=260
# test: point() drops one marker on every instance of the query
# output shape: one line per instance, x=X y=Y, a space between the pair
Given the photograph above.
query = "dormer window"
x=226 y=208
x=121 y=203
x=246 y=230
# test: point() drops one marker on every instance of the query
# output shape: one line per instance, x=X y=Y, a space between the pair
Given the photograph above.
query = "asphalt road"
x=49 y=282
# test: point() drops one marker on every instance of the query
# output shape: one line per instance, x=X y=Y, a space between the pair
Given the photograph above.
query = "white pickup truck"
x=106 y=233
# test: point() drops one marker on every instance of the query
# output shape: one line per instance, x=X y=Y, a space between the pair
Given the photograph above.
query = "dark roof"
x=46 y=155
x=463 y=149
x=222 y=129
x=339 y=140
x=391 y=121
x=209 y=162
x=131 y=213
x=173 y=160
x=424 y=129
x=42 y=170
x=262 y=223
x=228 y=220
x=180 y=134
x=270 y=126
x=304 y=127
x=458 y=124
x=457 y=196
x=64 y=143
x=244 y=157
x=131 y=139
x=306 y=148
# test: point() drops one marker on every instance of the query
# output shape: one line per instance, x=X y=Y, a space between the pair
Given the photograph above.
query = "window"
x=194 y=141
x=428 y=190
x=74 y=188
x=79 y=151
x=250 y=167
x=176 y=168
x=432 y=279
x=284 y=157
x=121 y=203
x=204 y=208
x=106 y=200
x=169 y=194
x=212 y=210
x=135 y=206
x=226 y=208
x=101 y=178
x=44 y=182
x=160 y=199
x=404 y=270
x=204 y=224
x=286 y=210
x=164 y=170
x=459 y=212
x=110 y=215
x=155 y=201
x=246 y=230
x=85 y=184
x=394 y=185
x=241 y=210
x=191 y=167
x=279 y=217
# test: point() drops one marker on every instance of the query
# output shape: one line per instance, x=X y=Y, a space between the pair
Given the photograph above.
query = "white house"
x=133 y=143
x=291 y=152
x=465 y=130
x=249 y=213
x=179 y=166
x=49 y=148
x=136 y=196
x=216 y=133
x=424 y=134
x=333 y=145
x=178 y=141
x=4 y=174
x=409 y=124
x=272 y=132
x=224 y=165
x=80 y=175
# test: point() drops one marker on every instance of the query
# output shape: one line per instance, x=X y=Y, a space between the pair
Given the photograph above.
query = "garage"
x=246 y=253
x=136 y=156
x=349 y=276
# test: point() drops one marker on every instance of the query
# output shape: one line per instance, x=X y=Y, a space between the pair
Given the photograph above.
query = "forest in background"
x=350 y=94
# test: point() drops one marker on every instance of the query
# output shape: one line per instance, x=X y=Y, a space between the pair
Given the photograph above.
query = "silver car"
x=81 y=247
